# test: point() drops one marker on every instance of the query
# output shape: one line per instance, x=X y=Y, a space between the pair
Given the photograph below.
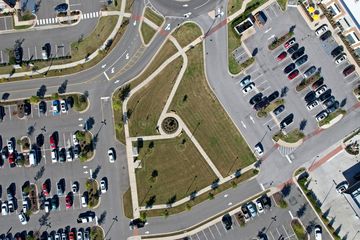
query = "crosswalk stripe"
x=37 y=22
x=91 y=15
x=41 y=21
x=97 y=14
x=56 y=20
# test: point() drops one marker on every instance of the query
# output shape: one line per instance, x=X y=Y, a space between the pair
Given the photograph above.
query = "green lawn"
x=152 y=16
x=282 y=4
x=196 y=104
x=147 y=32
x=234 y=42
x=165 y=52
x=147 y=104
x=299 y=230
x=171 y=170
x=233 y=6
x=187 y=33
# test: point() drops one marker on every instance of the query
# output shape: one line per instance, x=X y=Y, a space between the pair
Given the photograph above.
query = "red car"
x=68 y=201
x=45 y=189
x=71 y=235
x=293 y=74
x=348 y=70
x=52 y=142
x=289 y=43
x=281 y=56
x=11 y=159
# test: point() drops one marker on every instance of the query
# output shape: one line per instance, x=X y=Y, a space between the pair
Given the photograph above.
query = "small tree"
x=233 y=184
x=143 y=216
x=165 y=213
x=211 y=196
x=188 y=207
x=80 y=135
x=34 y=99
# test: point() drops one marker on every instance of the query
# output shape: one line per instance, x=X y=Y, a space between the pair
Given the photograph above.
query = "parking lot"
x=268 y=76
x=6 y=23
x=341 y=167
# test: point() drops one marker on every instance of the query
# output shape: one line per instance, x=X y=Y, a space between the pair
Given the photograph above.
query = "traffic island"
x=97 y=233
x=92 y=187
x=147 y=32
x=278 y=41
x=307 y=81
x=85 y=139
x=263 y=113
x=357 y=92
x=153 y=16
x=293 y=138
x=332 y=119
x=299 y=229
x=279 y=200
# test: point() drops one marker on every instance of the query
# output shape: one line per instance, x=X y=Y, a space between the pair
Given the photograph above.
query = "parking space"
x=240 y=55
x=6 y=23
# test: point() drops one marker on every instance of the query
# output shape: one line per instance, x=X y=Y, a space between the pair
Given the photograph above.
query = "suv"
x=325 y=35
x=256 y=98
x=323 y=28
x=301 y=60
x=348 y=70
x=252 y=209
x=293 y=48
x=18 y=54
x=321 y=116
x=60 y=187
x=279 y=109
x=262 y=104
x=273 y=96
x=310 y=72
x=298 y=53
x=227 y=221
x=336 y=51
x=287 y=121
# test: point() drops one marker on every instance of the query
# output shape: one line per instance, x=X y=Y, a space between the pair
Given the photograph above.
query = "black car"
x=333 y=107
x=2 y=113
x=287 y=121
x=62 y=155
x=310 y=96
x=256 y=98
x=47 y=50
x=27 y=108
x=273 y=96
x=227 y=221
x=325 y=35
x=289 y=68
x=136 y=223
x=293 y=48
x=262 y=104
x=18 y=54
x=330 y=101
x=301 y=60
x=63 y=7
x=325 y=95
x=336 y=51
x=266 y=201
x=298 y=53
x=279 y=109
x=42 y=107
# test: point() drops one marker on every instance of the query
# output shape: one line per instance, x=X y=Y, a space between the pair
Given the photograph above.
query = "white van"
x=84 y=202
x=32 y=158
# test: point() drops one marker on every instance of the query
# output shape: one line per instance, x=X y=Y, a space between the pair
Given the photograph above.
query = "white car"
x=248 y=88
x=57 y=236
x=63 y=106
x=111 y=155
x=69 y=156
x=103 y=186
x=340 y=58
x=54 y=156
x=318 y=233
x=84 y=200
x=4 y=209
x=25 y=205
x=47 y=205
x=22 y=218
x=75 y=140
x=342 y=187
x=11 y=205
x=259 y=149
x=259 y=206
x=321 y=30
x=79 y=235
x=320 y=90
x=245 y=81
x=312 y=105
x=322 y=115
x=10 y=146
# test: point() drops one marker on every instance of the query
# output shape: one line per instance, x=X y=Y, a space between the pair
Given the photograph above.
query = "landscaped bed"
x=198 y=107
x=147 y=32
x=308 y=81
x=187 y=33
x=299 y=230
x=86 y=144
x=171 y=170
x=278 y=41
x=147 y=104
x=92 y=187
x=120 y=94
x=331 y=116
x=291 y=137
x=264 y=112
x=234 y=41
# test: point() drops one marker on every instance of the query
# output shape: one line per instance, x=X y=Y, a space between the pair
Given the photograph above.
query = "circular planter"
x=170 y=125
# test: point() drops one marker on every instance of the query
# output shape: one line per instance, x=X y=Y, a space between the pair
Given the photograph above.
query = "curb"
x=332 y=122
x=287 y=144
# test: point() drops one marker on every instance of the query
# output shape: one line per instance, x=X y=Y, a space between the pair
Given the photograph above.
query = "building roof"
x=353 y=9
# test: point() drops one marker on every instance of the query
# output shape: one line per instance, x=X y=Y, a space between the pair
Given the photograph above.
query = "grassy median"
x=154 y=17
x=198 y=107
x=165 y=52
x=171 y=170
x=187 y=33
x=147 y=32
x=147 y=104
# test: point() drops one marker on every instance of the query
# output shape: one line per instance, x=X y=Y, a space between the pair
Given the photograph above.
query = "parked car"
x=55 y=106
x=259 y=206
x=63 y=106
x=62 y=155
x=60 y=187
x=63 y=7
x=79 y=234
x=136 y=223
x=111 y=155
x=336 y=51
x=342 y=187
x=54 y=156
x=298 y=53
x=310 y=71
x=245 y=211
x=333 y=107
x=340 y=58
x=320 y=90
x=45 y=189
x=252 y=209
x=103 y=185
x=321 y=116
x=325 y=95
x=4 y=208
x=53 y=143
x=68 y=201
x=84 y=199
x=262 y=104
x=318 y=83
x=289 y=68
x=47 y=205
x=42 y=107
x=312 y=104
x=25 y=204
x=310 y=96
x=22 y=218
x=289 y=43
x=323 y=28
x=325 y=35
x=18 y=54
x=293 y=74
x=330 y=101
x=287 y=121
x=75 y=187
x=273 y=96
x=301 y=60
x=266 y=201
x=76 y=151
x=54 y=202
x=318 y=232
x=248 y=88
x=348 y=70
x=69 y=154
x=256 y=98
x=281 y=56
x=75 y=140
x=245 y=81
x=27 y=108
x=259 y=148
x=46 y=51
x=10 y=146
x=279 y=109
x=227 y=221
x=293 y=48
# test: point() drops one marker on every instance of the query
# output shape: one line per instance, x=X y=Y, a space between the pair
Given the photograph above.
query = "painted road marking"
x=243 y=124
x=252 y=119
x=292 y=217
x=107 y=77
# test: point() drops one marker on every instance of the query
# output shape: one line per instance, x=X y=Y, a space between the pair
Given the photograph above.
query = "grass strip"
x=308 y=81
x=299 y=230
x=291 y=137
x=187 y=33
x=153 y=16
x=264 y=112
x=233 y=6
x=331 y=116
x=147 y=32
x=278 y=41
x=203 y=114
x=282 y=4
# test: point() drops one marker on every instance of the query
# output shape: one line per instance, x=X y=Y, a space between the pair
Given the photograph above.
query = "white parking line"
x=287 y=235
x=217 y=229
x=35 y=53
x=9 y=112
x=272 y=235
x=1 y=56
x=211 y=233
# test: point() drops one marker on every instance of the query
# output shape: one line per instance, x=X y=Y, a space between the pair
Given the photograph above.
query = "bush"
x=278 y=41
x=34 y=99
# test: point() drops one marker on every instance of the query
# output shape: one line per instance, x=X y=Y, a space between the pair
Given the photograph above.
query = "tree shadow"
x=102 y=218
x=41 y=92
x=286 y=190
x=171 y=200
x=343 y=102
x=96 y=172
x=338 y=229
x=301 y=211
x=149 y=203
x=326 y=213
x=62 y=88
x=303 y=124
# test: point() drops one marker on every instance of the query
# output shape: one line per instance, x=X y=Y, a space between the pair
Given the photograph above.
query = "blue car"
x=63 y=7
x=55 y=107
